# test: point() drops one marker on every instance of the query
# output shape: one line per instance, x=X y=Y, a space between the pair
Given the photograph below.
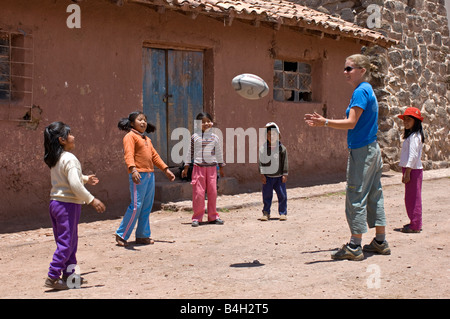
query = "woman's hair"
x=417 y=127
x=200 y=116
x=125 y=123
x=52 y=146
x=363 y=62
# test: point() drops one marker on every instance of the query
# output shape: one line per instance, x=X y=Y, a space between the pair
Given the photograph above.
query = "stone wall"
x=416 y=72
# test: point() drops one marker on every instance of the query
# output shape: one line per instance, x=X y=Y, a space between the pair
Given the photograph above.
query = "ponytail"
x=125 y=123
x=363 y=61
x=52 y=146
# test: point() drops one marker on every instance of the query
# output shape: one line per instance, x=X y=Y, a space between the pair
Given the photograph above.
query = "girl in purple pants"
x=412 y=168
x=66 y=197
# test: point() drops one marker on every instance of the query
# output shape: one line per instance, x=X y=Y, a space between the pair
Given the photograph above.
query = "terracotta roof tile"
x=278 y=12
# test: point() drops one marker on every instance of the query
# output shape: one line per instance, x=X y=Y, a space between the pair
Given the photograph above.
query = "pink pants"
x=204 y=179
x=413 y=198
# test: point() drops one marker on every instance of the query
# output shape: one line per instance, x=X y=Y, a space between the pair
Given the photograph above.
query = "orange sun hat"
x=412 y=111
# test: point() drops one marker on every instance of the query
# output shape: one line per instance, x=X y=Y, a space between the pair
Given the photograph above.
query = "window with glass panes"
x=292 y=81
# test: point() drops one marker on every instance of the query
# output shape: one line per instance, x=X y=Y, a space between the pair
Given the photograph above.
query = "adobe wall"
x=416 y=72
x=309 y=158
x=92 y=76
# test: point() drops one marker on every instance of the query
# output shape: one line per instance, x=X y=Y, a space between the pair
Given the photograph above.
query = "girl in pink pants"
x=412 y=168
x=206 y=154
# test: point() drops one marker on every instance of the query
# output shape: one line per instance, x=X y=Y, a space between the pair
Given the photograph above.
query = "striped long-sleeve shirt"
x=205 y=150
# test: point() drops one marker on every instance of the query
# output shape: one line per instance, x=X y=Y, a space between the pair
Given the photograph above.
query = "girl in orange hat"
x=412 y=167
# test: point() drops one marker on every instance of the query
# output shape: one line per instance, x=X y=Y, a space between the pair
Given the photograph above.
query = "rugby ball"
x=250 y=86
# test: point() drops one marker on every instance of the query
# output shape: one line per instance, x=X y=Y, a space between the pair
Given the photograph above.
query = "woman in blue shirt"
x=364 y=196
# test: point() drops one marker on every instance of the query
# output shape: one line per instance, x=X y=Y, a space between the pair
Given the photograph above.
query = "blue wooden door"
x=172 y=94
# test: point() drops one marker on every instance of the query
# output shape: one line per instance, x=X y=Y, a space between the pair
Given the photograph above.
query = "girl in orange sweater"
x=140 y=157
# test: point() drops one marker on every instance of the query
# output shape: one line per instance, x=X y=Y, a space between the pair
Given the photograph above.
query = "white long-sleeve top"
x=411 y=153
x=68 y=181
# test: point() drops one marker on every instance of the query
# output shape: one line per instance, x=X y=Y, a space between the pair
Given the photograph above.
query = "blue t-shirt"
x=365 y=130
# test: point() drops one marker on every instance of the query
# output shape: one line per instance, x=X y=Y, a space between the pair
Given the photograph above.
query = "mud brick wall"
x=416 y=72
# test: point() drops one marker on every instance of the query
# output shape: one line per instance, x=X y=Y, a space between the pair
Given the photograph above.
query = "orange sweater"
x=140 y=153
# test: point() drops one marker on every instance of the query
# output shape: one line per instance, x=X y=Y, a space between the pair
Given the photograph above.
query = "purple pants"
x=65 y=217
x=413 y=198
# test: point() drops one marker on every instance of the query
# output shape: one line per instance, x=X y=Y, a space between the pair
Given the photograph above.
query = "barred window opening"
x=292 y=81
x=16 y=75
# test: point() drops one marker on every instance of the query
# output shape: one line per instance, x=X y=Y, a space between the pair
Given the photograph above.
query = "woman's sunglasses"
x=349 y=68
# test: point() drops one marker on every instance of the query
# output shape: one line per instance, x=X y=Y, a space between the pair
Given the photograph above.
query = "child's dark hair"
x=52 y=146
x=271 y=128
x=200 y=116
x=417 y=127
x=125 y=123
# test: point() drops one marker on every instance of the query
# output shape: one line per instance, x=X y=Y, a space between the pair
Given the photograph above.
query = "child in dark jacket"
x=273 y=167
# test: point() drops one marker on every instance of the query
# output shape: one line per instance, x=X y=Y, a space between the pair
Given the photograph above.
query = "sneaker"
x=144 y=241
x=265 y=217
x=218 y=221
x=374 y=247
x=195 y=223
x=56 y=284
x=348 y=253
x=283 y=217
x=120 y=241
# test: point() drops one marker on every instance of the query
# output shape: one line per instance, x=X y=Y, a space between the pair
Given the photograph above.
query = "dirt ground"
x=246 y=258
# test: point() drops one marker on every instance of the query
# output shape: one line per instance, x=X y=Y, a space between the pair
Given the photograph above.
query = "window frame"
x=18 y=73
x=315 y=80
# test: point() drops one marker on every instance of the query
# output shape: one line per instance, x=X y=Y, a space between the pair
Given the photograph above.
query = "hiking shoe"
x=218 y=221
x=120 y=241
x=374 y=247
x=195 y=223
x=283 y=217
x=265 y=217
x=348 y=253
x=144 y=241
x=56 y=284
